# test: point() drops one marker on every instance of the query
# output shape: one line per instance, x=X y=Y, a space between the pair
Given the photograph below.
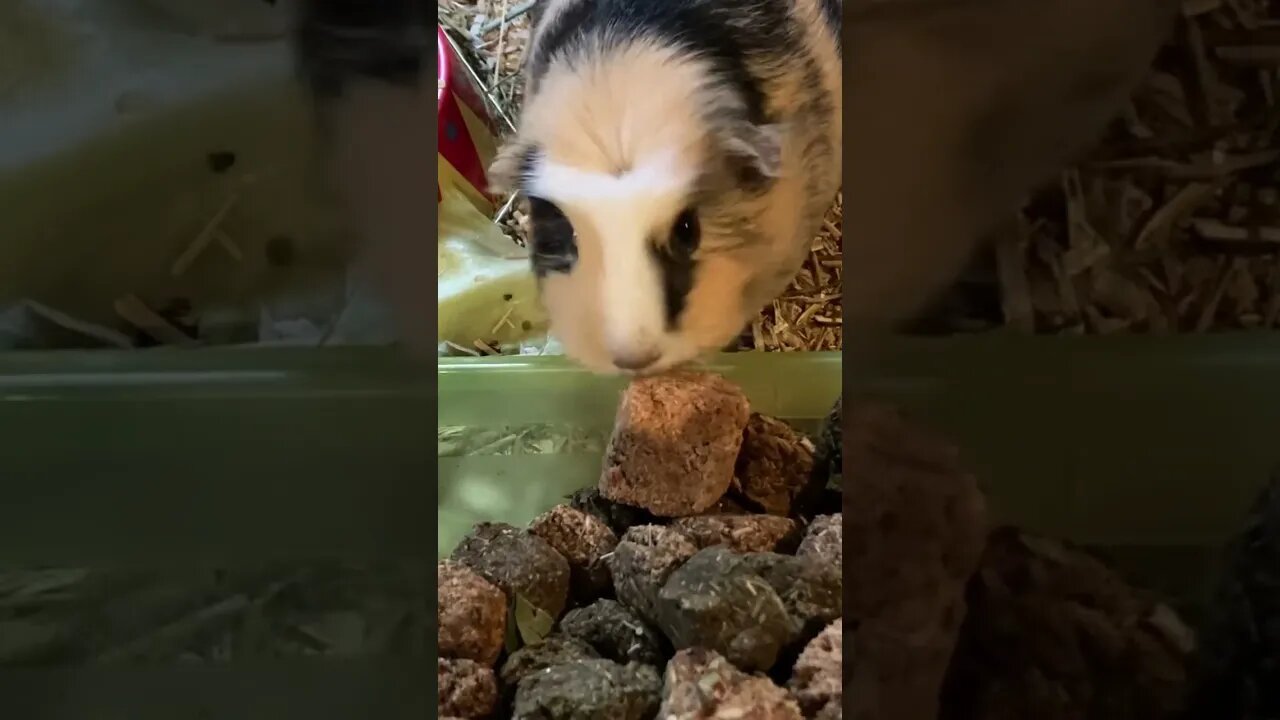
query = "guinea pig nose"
x=636 y=359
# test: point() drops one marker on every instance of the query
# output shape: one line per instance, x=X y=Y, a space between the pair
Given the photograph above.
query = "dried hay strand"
x=1172 y=225
x=808 y=314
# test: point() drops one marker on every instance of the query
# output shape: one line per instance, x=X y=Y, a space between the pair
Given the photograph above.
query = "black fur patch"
x=536 y=10
x=554 y=248
x=335 y=41
x=723 y=32
x=525 y=170
x=833 y=10
x=677 y=279
x=574 y=21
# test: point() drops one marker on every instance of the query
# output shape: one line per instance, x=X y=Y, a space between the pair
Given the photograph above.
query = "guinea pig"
x=678 y=157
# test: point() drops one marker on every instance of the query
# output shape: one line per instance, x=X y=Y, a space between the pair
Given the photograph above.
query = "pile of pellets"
x=701 y=578
x=719 y=571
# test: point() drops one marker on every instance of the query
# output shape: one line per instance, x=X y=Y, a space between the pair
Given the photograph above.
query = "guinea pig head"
x=646 y=186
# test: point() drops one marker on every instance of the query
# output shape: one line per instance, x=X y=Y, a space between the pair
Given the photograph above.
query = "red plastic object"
x=457 y=96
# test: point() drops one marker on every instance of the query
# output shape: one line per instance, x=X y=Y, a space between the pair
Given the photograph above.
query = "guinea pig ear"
x=754 y=153
x=509 y=165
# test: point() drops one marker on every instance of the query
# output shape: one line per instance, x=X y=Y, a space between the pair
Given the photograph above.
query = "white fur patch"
x=660 y=175
x=631 y=285
x=612 y=307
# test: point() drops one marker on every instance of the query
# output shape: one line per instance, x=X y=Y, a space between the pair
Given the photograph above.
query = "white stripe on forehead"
x=658 y=175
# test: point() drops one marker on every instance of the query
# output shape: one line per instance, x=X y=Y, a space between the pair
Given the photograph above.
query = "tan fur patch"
x=603 y=114
x=713 y=308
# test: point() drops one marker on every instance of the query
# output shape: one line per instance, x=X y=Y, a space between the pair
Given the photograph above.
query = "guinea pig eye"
x=685 y=231
x=555 y=246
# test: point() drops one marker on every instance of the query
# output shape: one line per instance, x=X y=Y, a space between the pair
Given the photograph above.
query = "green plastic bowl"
x=1146 y=450
x=532 y=430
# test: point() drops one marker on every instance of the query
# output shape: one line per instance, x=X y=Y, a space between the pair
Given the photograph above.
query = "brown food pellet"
x=813 y=593
x=644 y=559
x=701 y=684
x=775 y=464
x=589 y=689
x=615 y=631
x=1054 y=633
x=467 y=689
x=520 y=563
x=553 y=650
x=718 y=601
x=916 y=525
x=740 y=533
x=675 y=442
x=817 y=679
x=471 y=614
x=824 y=541
x=584 y=541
